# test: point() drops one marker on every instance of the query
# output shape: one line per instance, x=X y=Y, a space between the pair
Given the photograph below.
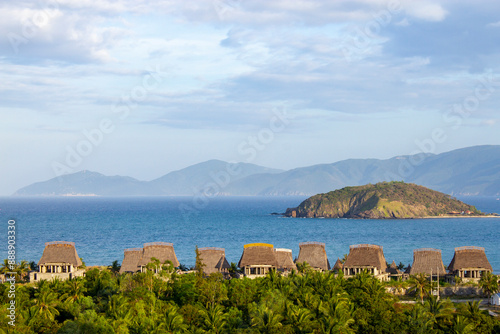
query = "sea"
x=102 y=228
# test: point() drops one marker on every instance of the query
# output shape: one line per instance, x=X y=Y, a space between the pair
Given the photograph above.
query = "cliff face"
x=381 y=201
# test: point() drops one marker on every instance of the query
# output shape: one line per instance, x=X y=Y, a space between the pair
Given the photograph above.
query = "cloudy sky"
x=141 y=88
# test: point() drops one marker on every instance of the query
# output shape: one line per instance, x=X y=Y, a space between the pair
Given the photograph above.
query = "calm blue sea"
x=103 y=227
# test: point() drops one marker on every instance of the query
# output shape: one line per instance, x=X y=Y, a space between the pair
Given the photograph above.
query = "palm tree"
x=83 y=265
x=199 y=264
x=421 y=285
x=473 y=313
x=22 y=269
x=173 y=321
x=336 y=316
x=117 y=307
x=33 y=265
x=420 y=321
x=233 y=270
x=213 y=318
x=462 y=326
x=301 y=319
x=6 y=267
x=441 y=310
x=489 y=284
x=115 y=267
x=55 y=284
x=273 y=280
x=45 y=305
x=75 y=290
x=266 y=320
x=303 y=267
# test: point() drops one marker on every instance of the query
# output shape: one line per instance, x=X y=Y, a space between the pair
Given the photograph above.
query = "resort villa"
x=284 y=259
x=137 y=259
x=427 y=261
x=314 y=254
x=59 y=260
x=337 y=267
x=131 y=258
x=394 y=272
x=469 y=263
x=366 y=257
x=257 y=259
x=214 y=260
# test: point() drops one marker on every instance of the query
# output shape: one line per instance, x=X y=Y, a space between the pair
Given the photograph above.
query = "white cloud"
x=56 y=34
x=228 y=62
x=424 y=10
x=403 y=23
x=490 y=122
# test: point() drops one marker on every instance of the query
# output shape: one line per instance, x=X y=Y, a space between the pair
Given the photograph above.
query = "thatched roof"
x=408 y=269
x=338 y=265
x=365 y=255
x=393 y=269
x=285 y=259
x=469 y=257
x=163 y=251
x=314 y=254
x=131 y=258
x=427 y=261
x=60 y=252
x=214 y=259
x=258 y=254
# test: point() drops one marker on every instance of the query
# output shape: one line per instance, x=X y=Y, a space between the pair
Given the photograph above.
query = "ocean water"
x=103 y=227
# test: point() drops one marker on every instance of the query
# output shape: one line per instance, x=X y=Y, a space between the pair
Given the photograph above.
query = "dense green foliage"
x=310 y=302
x=381 y=200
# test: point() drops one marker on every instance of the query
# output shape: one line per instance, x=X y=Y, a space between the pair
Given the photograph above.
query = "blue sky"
x=142 y=88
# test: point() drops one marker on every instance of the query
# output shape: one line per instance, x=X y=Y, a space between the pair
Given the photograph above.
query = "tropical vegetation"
x=105 y=301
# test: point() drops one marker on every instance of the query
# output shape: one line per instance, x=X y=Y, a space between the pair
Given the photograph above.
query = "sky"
x=142 y=88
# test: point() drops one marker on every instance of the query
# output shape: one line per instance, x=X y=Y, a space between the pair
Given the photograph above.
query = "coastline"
x=459 y=216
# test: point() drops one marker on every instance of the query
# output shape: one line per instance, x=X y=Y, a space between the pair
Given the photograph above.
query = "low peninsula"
x=385 y=200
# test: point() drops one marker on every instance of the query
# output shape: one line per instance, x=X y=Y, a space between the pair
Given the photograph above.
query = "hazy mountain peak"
x=467 y=171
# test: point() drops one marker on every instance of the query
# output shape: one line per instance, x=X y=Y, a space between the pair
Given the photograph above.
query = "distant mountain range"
x=468 y=171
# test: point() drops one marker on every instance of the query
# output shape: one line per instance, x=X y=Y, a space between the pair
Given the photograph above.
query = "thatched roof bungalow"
x=469 y=263
x=59 y=260
x=131 y=258
x=394 y=271
x=314 y=254
x=285 y=259
x=163 y=251
x=337 y=267
x=214 y=260
x=366 y=257
x=407 y=270
x=427 y=261
x=257 y=259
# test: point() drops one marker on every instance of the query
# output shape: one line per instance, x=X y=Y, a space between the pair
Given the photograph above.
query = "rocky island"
x=397 y=200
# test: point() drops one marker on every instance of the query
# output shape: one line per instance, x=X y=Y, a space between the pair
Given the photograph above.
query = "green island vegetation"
x=382 y=200
x=305 y=301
